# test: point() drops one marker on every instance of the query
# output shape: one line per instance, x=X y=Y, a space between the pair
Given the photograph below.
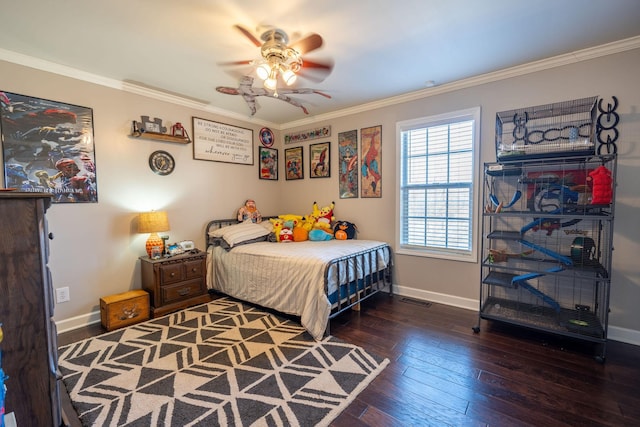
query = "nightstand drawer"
x=175 y=283
x=194 y=269
x=181 y=290
x=170 y=273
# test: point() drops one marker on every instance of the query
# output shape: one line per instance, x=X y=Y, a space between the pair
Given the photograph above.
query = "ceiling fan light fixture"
x=289 y=77
x=263 y=71
x=271 y=83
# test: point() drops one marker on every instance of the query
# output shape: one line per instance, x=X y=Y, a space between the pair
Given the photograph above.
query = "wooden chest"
x=127 y=308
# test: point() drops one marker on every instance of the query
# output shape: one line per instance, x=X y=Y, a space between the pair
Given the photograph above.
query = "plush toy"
x=309 y=221
x=277 y=227
x=300 y=233
x=286 y=235
x=345 y=230
x=318 y=234
x=295 y=219
x=324 y=216
x=249 y=212
x=602 y=192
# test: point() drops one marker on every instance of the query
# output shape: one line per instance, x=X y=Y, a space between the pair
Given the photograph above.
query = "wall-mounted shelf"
x=161 y=137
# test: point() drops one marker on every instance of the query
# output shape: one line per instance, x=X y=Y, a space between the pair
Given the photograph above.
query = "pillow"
x=246 y=232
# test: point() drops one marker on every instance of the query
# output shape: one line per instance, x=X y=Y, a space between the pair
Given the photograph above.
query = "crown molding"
x=74 y=73
x=532 y=67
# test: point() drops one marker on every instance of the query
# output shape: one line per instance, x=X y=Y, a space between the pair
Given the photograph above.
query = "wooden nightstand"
x=175 y=283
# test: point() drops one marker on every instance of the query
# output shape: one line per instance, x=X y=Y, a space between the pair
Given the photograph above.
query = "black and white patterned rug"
x=223 y=363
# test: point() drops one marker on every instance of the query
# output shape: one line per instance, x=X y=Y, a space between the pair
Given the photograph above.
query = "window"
x=438 y=163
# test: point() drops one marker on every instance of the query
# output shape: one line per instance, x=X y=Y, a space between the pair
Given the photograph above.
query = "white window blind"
x=436 y=184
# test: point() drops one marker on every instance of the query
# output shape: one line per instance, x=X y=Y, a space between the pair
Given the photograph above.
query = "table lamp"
x=153 y=222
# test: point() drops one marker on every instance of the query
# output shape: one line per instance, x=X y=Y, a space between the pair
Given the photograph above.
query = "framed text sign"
x=219 y=142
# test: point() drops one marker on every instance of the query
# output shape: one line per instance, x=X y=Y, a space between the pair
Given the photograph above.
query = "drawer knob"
x=172 y=274
x=194 y=269
x=183 y=292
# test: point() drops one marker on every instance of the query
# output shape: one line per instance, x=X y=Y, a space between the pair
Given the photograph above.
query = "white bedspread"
x=288 y=277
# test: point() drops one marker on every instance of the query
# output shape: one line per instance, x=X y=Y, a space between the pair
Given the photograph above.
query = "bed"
x=314 y=280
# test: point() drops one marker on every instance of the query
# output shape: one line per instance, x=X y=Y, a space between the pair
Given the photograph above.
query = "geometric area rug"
x=223 y=363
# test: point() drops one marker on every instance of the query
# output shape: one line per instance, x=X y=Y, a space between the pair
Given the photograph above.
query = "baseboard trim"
x=614 y=333
x=77 y=322
x=628 y=336
x=469 y=304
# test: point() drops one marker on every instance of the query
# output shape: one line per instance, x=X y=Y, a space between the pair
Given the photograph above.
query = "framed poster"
x=268 y=163
x=348 y=157
x=293 y=163
x=320 y=160
x=307 y=135
x=48 y=147
x=371 y=161
x=218 y=142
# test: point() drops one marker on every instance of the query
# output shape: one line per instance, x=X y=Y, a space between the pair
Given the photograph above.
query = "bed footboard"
x=366 y=275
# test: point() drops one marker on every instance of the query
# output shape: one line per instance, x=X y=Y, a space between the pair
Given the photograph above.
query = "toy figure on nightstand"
x=249 y=212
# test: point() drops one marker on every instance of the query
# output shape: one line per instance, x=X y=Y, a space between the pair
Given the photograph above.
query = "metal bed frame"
x=354 y=290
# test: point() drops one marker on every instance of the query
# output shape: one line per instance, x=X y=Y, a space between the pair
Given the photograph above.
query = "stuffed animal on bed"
x=291 y=220
x=345 y=230
x=277 y=227
x=318 y=235
x=300 y=234
x=249 y=212
x=324 y=216
x=286 y=235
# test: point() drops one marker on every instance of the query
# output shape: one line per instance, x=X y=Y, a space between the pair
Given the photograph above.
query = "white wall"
x=96 y=248
x=457 y=283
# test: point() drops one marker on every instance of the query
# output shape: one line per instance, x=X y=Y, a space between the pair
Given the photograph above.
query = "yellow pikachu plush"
x=277 y=227
x=324 y=217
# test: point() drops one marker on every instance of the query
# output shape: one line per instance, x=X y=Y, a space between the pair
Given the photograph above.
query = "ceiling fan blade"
x=307 y=44
x=319 y=65
x=248 y=35
x=311 y=77
x=245 y=62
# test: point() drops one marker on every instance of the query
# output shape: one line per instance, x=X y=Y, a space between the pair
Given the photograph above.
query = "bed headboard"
x=219 y=223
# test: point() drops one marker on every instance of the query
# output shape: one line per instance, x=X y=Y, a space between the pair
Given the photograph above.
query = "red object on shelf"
x=602 y=192
x=178 y=130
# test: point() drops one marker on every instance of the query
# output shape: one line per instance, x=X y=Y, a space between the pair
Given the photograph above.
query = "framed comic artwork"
x=320 y=160
x=371 y=162
x=294 y=168
x=48 y=147
x=348 y=164
x=268 y=163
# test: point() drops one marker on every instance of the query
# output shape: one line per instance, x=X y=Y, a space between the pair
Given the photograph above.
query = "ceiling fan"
x=279 y=59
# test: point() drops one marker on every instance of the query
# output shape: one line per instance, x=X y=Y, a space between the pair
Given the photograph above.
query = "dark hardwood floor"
x=443 y=374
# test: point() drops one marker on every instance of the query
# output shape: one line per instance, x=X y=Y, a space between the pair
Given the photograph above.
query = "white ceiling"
x=381 y=48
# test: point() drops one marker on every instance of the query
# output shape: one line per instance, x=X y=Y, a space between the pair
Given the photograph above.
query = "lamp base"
x=154 y=241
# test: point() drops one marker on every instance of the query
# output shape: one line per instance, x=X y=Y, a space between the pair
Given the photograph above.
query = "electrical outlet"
x=62 y=294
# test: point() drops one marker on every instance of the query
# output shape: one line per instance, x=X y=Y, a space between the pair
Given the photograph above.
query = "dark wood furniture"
x=175 y=283
x=29 y=347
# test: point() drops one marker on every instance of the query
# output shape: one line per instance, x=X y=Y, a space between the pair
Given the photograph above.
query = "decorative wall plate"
x=161 y=162
x=266 y=137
